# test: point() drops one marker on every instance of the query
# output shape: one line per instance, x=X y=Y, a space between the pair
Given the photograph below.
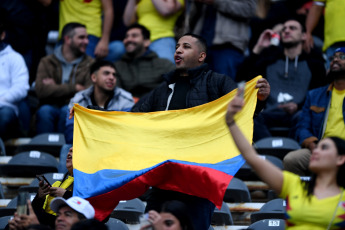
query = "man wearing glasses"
x=323 y=115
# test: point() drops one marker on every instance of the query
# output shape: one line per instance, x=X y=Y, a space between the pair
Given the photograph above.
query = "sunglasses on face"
x=340 y=57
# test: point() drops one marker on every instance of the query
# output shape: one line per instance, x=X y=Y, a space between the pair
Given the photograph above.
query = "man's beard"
x=290 y=44
x=335 y=75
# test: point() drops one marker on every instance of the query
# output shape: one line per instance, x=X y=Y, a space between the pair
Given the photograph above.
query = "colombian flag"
x=119 y=155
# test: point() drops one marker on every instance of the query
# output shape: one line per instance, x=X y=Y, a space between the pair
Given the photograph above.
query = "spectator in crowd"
x=191 y=84
x=334 y=35
x=323 y=115
x=118 y=31
x=68 y=212
x=90 y=13
x=23 y=221
x=46 y=193
x=27 y=29
x=291 y=73
x=174 y=215
x=60 y=76
x=224 y=25
x=71 y=211
x=14 y=85
x=140 y=70
x=103 y=93
x=315 y=204
x=159 y=17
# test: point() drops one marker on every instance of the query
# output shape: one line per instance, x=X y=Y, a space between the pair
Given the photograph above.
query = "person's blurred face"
x=188 y=53
x=104 y=79
x=69 y=163
x=337 y=62
x=135 y=43
x=325 y=157
x=292 y=32
x=79 y=41
x=170 y=222
x=65 y=218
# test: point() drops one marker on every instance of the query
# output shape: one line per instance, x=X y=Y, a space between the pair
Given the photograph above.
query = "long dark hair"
x=340 y=146
x=180 y=211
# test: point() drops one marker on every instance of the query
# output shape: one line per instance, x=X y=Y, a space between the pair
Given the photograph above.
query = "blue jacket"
x=312 y=122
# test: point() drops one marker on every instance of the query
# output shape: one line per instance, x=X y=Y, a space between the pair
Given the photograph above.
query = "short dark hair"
x=201 y=41
x=100 y=63
x=144 y=31
x=299 y=20
x=68 y=29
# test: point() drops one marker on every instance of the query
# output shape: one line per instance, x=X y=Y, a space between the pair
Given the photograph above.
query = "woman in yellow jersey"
x=315 y=204
x=159 y=17
x=46 y=193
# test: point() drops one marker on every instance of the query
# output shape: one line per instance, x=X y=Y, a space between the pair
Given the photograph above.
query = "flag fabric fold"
x=119 y=155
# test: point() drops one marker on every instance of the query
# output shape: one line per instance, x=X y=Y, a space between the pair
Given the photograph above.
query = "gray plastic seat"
x=13 y=202
x=276 y=146
x=246 y=173
x=274 y=209
x=29 y=164
x=4 y=221
x=237 y=192
x=222 y=217
x=33 y=187
x=46 y=142
x=268 y=224
x=129 y=211
x=2 y=148
x=115 y=224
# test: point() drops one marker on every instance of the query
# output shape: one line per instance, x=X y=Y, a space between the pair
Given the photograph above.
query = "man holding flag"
x=191 y=84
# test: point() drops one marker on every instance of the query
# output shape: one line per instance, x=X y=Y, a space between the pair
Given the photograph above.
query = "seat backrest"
x=268 y=224
x=116 y=224
x=274 y=209
x=51 y=177
x=29 y=164
x=13 y=202
x=278 y=205
x=2 y=148
x=4 y=221
x=222 y=217
x=276 y=146
x=237 y=191
x=46 y=142
x=129 y=211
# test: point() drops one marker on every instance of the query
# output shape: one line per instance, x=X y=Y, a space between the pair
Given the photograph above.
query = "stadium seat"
x=116 y=224
x=2 y=148
x=276 y=146
x=2 y=195
x=246 y=173
x=13 y=202
x=4 y=221
x=274 y=209
x=29 y=164
x=46 y=142
x=33 y=187
x=222 y=217
x=129 y=211
x=237 y=192
x=268 y=224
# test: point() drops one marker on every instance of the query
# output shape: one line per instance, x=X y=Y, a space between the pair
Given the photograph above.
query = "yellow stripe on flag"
x=134 y=141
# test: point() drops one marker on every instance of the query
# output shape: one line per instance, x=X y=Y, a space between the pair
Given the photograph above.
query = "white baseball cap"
x=76 y=203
